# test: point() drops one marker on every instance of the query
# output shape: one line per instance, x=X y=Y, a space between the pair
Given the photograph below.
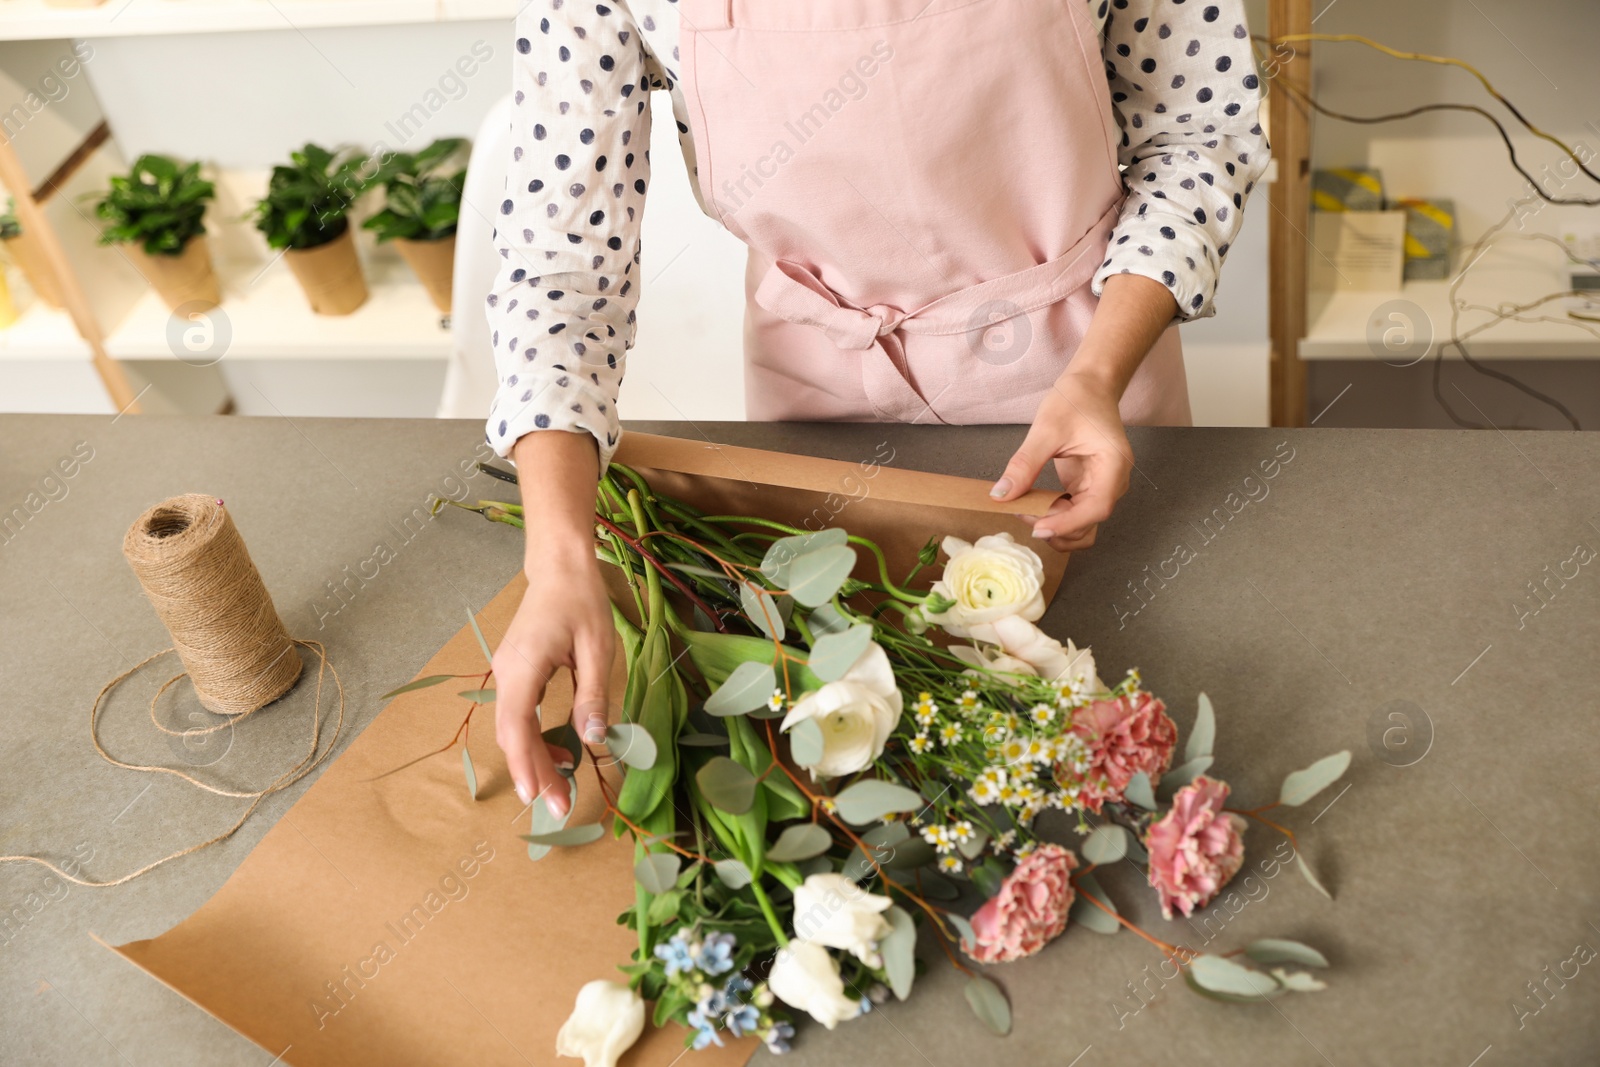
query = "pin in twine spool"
x=198 y=575
x=196 y=571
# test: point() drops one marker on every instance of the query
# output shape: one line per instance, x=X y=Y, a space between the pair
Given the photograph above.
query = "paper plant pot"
x=434 y=263
x=186 y=278
x=25 y=253
x=330 y=274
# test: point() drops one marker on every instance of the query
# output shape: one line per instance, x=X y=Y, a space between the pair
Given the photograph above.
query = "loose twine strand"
x=196 y=570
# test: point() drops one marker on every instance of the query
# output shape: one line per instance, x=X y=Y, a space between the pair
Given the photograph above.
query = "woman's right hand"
x=564 y=619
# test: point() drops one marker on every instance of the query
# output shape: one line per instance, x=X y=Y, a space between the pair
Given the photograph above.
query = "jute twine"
x=196 y=571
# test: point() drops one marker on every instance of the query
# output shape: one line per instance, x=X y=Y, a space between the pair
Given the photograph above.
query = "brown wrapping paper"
x=331 y=275
x=434 y=263
x=397 y=921
x=186 y=278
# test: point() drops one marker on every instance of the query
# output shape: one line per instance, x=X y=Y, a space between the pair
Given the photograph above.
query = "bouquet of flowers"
x=822 y=757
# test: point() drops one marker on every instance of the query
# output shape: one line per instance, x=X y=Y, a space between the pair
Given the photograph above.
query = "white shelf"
x=42 y=333
x=269 y=319
x=36 y=20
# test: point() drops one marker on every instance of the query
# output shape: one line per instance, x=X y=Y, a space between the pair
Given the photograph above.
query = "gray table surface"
x=1376 y=566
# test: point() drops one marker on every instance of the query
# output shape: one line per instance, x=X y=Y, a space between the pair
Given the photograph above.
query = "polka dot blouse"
x=1183 y=86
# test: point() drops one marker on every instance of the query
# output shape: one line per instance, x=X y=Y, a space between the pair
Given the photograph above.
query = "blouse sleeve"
x=1186 y=94
x=561 y=313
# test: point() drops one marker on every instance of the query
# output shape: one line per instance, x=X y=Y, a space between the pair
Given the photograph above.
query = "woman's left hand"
x=1078 y=426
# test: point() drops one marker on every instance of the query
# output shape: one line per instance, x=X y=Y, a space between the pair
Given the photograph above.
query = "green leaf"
x=1105 y=844
x=938 y=887
x=826 y=620
x=785 y=551
x=989 y=1004
x=472 y=775
x=968 y=937
x=487 y=655
x=657 y=872
x=834 y=654
x=478 y=696
x=1183 y=774
x=631 y=744
x=1086 y=914
x=543 y=822
x=908 y=855
x=1226 y=998
x=1218 y=974
x=763 y=612
x=574 y=835
x=664 y=908
x=420 y=683
x=727 y=785
x=750 y=686
x=732 y=873
x=1276 y=950
x=799 y=842
x=1301 y=786
x=1299 y=981
x=815 y=577
x=805 y=743
x=1138 y=792
x=564 y=736
x=819 y=865
x=1204 y=734
x=1311 y=876
x=972 y=846
x=702 y=741
x=870 y=800
x=898 y=949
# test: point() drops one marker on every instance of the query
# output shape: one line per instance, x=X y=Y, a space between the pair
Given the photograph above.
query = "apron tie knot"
x=795 y=293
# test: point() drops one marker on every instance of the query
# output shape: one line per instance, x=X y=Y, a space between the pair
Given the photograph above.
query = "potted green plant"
x=306 y=213
x=158 y=211
x=422 y=202
x=22 y=250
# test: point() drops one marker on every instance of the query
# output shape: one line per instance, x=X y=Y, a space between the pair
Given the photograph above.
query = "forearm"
x=1133 y=313
x=558 y=473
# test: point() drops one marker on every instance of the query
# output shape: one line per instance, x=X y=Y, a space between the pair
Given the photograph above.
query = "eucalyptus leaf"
x=890 y=833
x=936 y=886
x=420 y=683
x=543 y=822
x=763 y=613
x=1227 y=998
x=1184 y=773
x=785 y=551
x=574 y=835
x=827 y=620
x=834 y=654
x=749 y=687
x=989 y=1004
x=732 y=873
x=487 y=655
x=870 y=800
x=478 y=696
x=1204 y=734
x=815 y=577
x=805 y=743
x=728 y=785
x=703 y=741
x=1105 y=844
x=969 y=937
x=819 y=865
x=564 y=736
x=1276 y=950
x=472 y=775
x=972 y=846
x=1221 y=975
x=632 y=744
x=1311 y=876
x=1299 y=981
x=898 y=949
x=1301 y=786
x=1139 y=792
x=908 y=855
x=1085 y=914
x=801 y=841
x=658 y=872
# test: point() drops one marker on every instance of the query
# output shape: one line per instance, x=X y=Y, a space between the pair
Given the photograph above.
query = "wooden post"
x=30 y=215
x=1289 y=129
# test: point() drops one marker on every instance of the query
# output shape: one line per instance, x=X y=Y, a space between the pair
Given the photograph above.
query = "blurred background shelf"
x=36 y=20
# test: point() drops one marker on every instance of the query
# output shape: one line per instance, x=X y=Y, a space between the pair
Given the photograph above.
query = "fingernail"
x=1001 y=488
x=524 y=794
x=1042 y=533
x=594 y=731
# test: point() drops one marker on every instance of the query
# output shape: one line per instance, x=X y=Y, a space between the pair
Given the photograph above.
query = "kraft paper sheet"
x=400 y=922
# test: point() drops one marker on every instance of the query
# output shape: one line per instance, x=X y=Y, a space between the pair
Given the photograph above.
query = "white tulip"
x=857 y=713
x=1050 y=659
x=986 y=581
x=806 y=977
x=832 y=910
x=605 y=1022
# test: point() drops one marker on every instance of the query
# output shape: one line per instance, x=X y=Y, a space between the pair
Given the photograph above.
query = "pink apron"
x=927 y=188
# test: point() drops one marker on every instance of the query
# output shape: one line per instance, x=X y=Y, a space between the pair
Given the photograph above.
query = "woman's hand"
x=1078 y=424
x=564 y=619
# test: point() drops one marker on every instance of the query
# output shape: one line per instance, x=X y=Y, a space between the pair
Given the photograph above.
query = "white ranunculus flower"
x=605 y=1022
x=832 y=910
x=805 y=977
x=992 y=579
x=857 y=713
x=990 y=658
x=1049 y=658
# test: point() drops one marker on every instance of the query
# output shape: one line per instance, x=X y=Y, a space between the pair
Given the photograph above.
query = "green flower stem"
x=652 y=580
x=767 y=910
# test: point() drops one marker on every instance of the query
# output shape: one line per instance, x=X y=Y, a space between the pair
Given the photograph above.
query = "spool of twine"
x=198 y=575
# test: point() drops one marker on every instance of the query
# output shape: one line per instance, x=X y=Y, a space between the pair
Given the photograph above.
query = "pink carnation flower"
x=1125 y=736
x=1195 y=848
x=1030 y=910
